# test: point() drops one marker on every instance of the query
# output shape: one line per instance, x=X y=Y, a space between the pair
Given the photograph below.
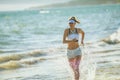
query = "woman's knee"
x=71 y=61
x=78 y=57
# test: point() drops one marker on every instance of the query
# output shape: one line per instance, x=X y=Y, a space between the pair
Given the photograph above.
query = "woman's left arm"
x=83 y=34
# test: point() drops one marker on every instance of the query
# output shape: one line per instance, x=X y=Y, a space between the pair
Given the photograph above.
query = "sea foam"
x=113 y=38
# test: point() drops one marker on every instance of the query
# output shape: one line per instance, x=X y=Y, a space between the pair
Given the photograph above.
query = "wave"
x=9 y=65
x=12 y=61
x=113 y=38
x=20 y=63
x=18 y=56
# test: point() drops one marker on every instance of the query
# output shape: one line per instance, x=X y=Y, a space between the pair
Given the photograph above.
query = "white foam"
x=113 y=38
x=88 y=64
x=44 y=11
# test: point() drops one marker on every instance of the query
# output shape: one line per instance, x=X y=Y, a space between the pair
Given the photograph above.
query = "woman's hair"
x=74 y=18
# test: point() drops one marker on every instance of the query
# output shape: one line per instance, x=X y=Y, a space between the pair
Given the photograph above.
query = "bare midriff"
x=73 y=45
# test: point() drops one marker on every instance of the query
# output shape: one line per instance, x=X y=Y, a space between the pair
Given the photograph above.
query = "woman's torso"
x=72 y=35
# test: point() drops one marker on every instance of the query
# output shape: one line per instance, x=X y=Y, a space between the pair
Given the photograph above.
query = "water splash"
x=114 y=38
x=88 y=64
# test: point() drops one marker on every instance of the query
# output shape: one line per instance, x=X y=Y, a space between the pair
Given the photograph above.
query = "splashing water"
x=88 y=64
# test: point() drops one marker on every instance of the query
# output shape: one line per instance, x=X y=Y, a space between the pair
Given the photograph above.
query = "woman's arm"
x=64 y=37
x=83 y=34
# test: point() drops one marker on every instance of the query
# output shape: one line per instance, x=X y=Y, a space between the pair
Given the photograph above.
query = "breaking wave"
x=12 y=61
x=113 y=38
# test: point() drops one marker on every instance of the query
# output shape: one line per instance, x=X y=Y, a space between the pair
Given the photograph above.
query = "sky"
x=6 y=5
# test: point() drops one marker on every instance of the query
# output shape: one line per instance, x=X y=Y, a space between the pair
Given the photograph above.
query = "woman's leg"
x=77 y=63
x=72 y=63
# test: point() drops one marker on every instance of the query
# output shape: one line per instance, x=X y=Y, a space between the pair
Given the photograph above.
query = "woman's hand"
x=75 y=40
x=82 y=43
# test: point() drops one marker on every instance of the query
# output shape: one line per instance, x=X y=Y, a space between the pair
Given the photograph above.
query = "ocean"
x=31 y=45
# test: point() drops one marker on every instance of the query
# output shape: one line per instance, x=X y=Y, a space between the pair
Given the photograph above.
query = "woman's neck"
x=72 y=28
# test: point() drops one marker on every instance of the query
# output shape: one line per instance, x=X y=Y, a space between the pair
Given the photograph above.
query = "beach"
x=31 y=45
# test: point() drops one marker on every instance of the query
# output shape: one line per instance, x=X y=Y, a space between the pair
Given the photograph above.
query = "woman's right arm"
x=64 y=37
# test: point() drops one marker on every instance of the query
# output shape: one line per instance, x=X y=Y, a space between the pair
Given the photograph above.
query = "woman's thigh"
x=71 y=59
x=78 y=57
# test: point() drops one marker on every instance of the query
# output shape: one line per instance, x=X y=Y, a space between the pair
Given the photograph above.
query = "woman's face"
x=72 y=25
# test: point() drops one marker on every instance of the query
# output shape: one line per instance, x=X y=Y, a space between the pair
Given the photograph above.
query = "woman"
x=71 y=37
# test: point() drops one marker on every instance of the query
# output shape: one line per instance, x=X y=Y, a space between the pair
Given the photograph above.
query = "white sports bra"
x=73 y=34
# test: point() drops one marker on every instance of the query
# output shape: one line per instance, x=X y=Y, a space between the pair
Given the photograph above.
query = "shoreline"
x=74 y=4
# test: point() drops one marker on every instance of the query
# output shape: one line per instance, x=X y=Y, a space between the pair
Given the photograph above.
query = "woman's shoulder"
x=79 y=30
x=66 y=29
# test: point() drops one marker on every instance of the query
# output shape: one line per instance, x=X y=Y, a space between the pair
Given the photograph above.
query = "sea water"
x=31 y=45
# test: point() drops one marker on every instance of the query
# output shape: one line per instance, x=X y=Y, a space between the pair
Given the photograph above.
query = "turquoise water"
x=37 y=33
x=35 y=28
